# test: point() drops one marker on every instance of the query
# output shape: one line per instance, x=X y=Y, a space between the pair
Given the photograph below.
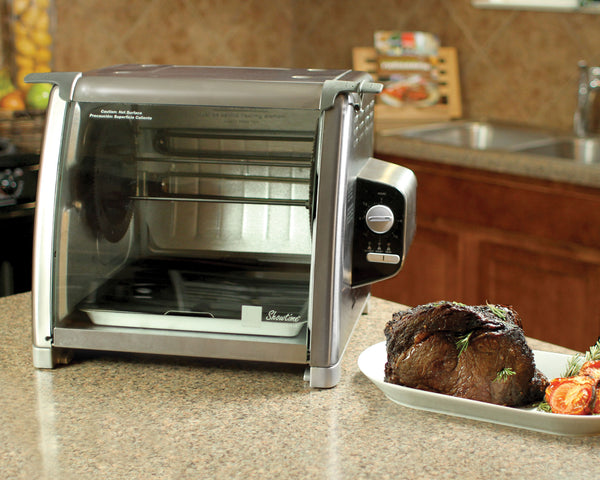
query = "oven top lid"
x=212 y=86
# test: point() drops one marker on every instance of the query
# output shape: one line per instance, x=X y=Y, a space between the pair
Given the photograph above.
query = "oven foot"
x=48 y=357
x=323 y=377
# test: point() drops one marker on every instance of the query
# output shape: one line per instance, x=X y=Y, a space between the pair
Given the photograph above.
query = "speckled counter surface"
x=526 y=165
x=128 y=417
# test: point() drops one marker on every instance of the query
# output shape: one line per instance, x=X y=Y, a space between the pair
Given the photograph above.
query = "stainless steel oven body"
x=213 y=212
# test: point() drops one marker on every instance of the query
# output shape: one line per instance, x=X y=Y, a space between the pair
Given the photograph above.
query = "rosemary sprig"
x=543 y=406
x=497 y=311
x=503 y=374
x=573 y=365
x=576 y=361
x=463 y=342
x=593 y=353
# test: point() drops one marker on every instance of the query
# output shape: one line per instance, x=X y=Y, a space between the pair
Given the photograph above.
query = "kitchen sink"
x=583 y=150
x=478 y=135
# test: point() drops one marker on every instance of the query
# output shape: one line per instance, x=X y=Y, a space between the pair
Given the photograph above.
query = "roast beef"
x=477 y=352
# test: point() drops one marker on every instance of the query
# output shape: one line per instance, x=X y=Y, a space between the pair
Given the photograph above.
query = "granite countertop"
x=511 y=163
x=119 y=416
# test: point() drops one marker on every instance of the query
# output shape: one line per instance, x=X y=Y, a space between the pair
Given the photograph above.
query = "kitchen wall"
x=515 y=65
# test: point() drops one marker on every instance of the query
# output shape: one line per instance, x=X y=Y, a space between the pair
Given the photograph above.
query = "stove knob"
x=380 y=219
x=8 y=184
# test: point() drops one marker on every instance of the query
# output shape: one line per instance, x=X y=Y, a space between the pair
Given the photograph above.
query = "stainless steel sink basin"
x=583 y=150
x=479 y=135
x=487 y=135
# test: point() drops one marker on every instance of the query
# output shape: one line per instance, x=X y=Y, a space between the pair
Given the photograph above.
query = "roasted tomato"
x=571 y=395
x=591 y=369
x=596 y=404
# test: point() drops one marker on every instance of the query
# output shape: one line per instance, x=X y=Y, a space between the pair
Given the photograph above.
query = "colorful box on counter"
x=406 y=67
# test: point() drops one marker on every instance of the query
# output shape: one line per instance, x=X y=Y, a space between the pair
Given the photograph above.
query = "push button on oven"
x=380 y=219
x=383 y=258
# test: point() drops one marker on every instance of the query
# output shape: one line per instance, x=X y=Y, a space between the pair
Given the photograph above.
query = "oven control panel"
x=382 y=230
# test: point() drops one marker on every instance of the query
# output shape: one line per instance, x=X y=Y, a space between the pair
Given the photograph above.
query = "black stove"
x=18 y=187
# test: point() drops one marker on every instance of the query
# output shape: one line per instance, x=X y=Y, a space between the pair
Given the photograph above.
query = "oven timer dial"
x=380 y=219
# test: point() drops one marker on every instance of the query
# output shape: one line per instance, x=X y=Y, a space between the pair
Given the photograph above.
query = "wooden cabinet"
x=488 y=237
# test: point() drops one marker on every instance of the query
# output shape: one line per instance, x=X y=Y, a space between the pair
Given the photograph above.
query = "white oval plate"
x=372 y=361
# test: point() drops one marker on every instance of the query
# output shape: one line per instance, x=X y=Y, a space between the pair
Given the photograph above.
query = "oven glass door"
x=187 y=218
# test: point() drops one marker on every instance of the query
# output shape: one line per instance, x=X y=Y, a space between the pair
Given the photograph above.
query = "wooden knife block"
x=448 y=108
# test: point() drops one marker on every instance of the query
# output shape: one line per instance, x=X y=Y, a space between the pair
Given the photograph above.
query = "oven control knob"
x=380 y=219
x=8 y=184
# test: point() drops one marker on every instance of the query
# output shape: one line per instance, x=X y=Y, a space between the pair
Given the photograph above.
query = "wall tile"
x=515 y=65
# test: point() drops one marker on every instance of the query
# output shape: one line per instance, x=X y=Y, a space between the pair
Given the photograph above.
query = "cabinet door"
x=555 y=293
x=431 y=271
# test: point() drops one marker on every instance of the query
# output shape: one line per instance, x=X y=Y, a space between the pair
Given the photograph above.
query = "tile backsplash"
x=515 y=65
